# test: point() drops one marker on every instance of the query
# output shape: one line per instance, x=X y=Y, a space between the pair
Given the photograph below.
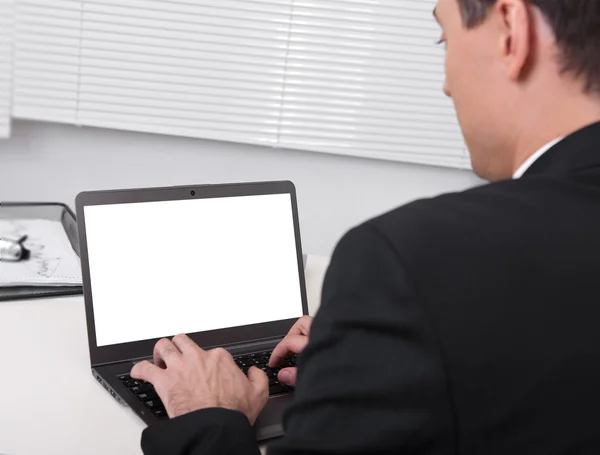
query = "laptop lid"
x=221 y=263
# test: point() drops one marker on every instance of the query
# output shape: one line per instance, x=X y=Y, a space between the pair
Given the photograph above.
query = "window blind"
x=365 y=78
x=356 y=77
x=6 y=40
x=192 y=68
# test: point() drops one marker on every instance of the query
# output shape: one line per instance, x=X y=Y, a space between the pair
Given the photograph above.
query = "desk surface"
x=49 y=402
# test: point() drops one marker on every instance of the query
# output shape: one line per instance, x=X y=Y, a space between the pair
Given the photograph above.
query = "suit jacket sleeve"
x=371 y=380
x=205 y=432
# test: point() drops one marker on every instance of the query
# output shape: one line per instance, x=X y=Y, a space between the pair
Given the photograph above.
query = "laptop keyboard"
x=144 y=391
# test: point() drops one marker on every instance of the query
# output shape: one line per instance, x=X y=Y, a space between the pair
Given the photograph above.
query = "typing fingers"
x=166 y=353
x=186 y=345
x=287 y=376
x=302 y=326
x=291 y=344
x=146 y=372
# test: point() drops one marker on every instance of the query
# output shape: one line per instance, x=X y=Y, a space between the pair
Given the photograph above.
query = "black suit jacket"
x=464 y=324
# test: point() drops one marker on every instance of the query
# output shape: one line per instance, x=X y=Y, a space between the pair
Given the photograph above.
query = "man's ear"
x=515 y=36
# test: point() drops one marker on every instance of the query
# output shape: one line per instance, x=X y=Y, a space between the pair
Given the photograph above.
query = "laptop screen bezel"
x=208 y=339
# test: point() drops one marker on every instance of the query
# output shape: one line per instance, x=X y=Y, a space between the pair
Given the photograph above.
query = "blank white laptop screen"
x=158 y=269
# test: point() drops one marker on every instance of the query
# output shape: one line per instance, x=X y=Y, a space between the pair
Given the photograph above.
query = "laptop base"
x=268 y=425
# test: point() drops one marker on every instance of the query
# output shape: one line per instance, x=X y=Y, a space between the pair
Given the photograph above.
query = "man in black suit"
x=467 y=323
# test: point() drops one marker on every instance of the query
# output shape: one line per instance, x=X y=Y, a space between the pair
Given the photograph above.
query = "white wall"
x=54 y=162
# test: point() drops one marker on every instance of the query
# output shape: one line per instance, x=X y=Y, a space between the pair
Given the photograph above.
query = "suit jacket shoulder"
x=506 y=274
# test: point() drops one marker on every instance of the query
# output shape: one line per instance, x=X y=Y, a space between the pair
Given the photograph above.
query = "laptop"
x=221 y=263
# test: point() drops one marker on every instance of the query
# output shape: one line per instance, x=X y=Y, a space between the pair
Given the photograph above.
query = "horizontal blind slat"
x=370 y=98
x=53 y=22
x=206 y=35
x=48 y=12
x=378 y=56
x=41 y=113
x=214 y=61
x=57 y=102
x=106 y=121
x=95 y=39
x=54 y=4
x=31 y=91
x=270 y=85
x=425 y=123
x=126 y=13
x=358 y=48
x=368 y=132
x=90 y=111
x=108 y=84
x=194 y=57
x=200 y=97
x=48 y=43
x=26 y=73
x=357 y=81
x=214 y=111
x=60 y=69
x=26 y=31
x=64 y=59
x=210 y=69
x=230 y=120
x=259 y=28
x=389 y=7
x=195 y=6
x=361 y=27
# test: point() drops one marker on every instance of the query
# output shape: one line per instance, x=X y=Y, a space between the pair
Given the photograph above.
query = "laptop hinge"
x=234 y=348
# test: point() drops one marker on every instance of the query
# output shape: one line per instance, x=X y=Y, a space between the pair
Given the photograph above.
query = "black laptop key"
x=131 y=383
x=154 y=404
x=142 y=388
x=147 y=396
x=160 y=412
x=124 y=377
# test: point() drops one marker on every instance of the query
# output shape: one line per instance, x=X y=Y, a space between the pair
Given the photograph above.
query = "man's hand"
x=187 y=379
x=293 y=343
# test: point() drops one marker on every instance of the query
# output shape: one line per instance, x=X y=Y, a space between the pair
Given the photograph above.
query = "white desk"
x=49 y=402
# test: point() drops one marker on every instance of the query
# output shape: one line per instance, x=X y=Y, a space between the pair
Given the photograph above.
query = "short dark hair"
x=576 y=25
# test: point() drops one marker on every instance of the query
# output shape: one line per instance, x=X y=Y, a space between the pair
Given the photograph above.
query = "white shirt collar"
x=533 y=158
